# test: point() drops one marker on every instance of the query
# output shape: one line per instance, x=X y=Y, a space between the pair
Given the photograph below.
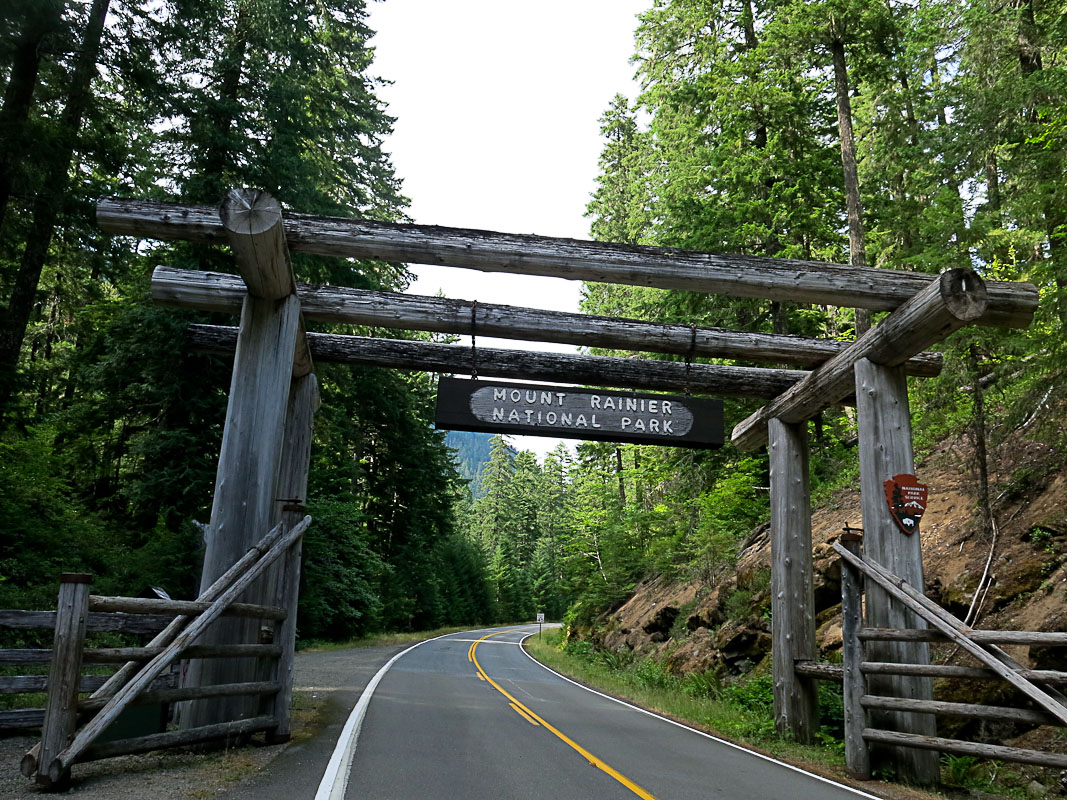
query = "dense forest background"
x=911 y=135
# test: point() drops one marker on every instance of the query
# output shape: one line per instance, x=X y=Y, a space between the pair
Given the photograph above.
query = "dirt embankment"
x=723 y=624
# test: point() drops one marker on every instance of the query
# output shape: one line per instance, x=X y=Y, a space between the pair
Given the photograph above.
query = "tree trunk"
x=857 y=252
x=18 y=97
x=47 y=204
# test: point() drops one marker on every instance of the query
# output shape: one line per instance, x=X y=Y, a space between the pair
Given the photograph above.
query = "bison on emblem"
x=907 y=501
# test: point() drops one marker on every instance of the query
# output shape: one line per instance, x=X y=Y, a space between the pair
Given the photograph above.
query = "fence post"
x=64 y=674
x=857 y=756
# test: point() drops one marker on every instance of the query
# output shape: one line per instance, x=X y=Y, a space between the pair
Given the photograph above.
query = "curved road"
x=471 y=716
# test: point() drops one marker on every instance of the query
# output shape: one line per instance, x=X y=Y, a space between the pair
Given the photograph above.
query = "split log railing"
x=143 y=675
x=869 y=717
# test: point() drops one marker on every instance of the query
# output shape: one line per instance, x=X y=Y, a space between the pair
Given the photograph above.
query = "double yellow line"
x=534 y=719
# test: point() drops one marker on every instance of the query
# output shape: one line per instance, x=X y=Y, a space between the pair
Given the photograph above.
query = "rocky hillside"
x=723 y=622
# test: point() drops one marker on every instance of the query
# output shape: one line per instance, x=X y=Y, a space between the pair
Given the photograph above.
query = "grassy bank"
x=740 y=712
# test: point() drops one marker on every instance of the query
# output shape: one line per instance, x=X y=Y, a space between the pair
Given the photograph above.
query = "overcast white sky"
x=497 y=106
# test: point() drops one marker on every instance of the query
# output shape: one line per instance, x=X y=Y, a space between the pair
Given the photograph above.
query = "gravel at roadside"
x=326 y=687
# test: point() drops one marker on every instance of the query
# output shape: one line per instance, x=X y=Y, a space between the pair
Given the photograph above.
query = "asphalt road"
x=471 y=716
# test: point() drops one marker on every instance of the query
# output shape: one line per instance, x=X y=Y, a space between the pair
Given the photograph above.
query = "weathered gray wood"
x=243 y=504
x=886 y=450
x=969 y=710
x=144 y=605
x=1047 y=676
x=21 y=684
x=118 y=655
x=64 y=674
x=252 y=220
x=628 y=373
x=955 y=630
x=1048 y=638
x=285 y=588
x=28 y=764
x=854 y=685
x=1011 y=304
x=190 y=693
x=175 y=626
x=820 y=671
x=158 y=741
x=87 y=735
x=11 y=718
x=996 y=751
x=97 y=621
x=220 y=292
x=956 y=298
x=796 y=702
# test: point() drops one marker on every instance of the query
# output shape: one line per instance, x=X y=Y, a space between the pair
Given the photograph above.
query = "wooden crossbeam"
x=788 y=280
x=221 y=292
x=956 y=298
x=626 y=373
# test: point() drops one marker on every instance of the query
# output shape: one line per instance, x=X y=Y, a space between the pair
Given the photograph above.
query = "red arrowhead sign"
x=907 y=501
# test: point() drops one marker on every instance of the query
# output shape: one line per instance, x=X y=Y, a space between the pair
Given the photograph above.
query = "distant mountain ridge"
x=471 y=454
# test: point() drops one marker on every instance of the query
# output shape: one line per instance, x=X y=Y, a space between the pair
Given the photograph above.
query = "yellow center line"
x=596 y=762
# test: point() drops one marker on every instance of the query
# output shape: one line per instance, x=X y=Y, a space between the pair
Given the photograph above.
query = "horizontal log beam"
x=120 y=655
x=956 y=298
x=95 y=622
x=159 y=741
x=968 y=710
x=788 y=280
x=1049 y=638
x=190 y=693
x=957 y=747
x=224 y=293
x=820 y=671
x=147 y=605
x=627 y=373
x=948 y=671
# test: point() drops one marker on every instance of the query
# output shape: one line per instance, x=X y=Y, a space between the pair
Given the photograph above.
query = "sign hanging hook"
x=474 y=346
x=689 y=355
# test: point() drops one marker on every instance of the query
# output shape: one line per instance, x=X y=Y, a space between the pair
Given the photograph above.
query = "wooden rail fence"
x=144 y=674
x=1038 y=686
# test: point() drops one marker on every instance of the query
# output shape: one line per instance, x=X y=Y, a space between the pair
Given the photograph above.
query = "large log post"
x=285 y=578
x=886 y=450
x=64 y=675
x=796 y=703
x=244 y=506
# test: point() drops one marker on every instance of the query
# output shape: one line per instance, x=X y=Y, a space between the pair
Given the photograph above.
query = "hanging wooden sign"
x=575 y=413
x=907 y=501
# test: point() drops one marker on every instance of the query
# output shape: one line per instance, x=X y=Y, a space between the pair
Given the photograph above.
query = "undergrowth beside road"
x=741 y=712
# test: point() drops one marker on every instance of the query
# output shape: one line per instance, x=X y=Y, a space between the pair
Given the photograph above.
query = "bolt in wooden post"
x=857 y=755
x=796 y=703
x=64 y=674
x=886 y=450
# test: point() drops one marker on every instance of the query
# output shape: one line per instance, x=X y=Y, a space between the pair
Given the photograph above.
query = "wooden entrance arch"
x=273 y=393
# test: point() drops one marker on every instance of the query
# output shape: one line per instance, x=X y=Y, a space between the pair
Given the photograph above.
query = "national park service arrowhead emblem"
x=907 y=501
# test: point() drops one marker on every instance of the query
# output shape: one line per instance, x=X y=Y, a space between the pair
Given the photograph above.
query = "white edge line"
x=334 y=781
x=706 y=735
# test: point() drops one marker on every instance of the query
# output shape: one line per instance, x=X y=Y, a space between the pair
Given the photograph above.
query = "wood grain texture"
x=223 y=293
x=957 y=747
x=1045 y=676
x=87 y=735
x=64 y=675
x=956 y=298
x=967 y=710
x=796 y=703
x=255 y=231
x=854 y=684
x=1046 y=638
x=147 y=605
x=244 y=505
x=787 y=280
x=628 y=373
x=957 y=632
x=884 y=422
